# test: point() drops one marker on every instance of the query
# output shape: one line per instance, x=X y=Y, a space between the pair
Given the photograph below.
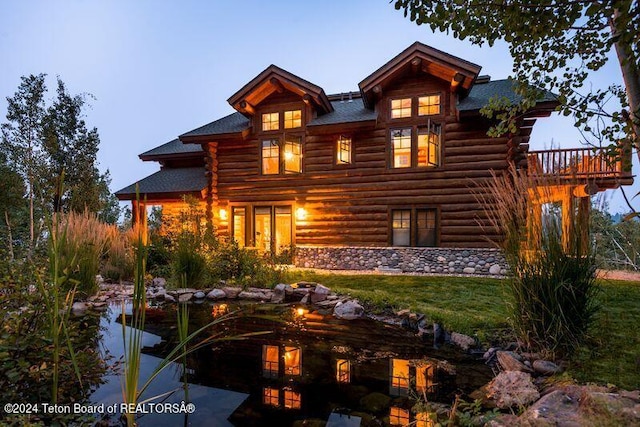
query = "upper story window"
x=416 y=146
x=343 y=150
x=400 y=108
x=281 y=156
x=292 y=119
x=270 y=121
x=429 y=105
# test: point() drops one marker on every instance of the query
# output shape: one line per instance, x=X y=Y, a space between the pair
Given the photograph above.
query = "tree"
x=555 y=45
x=72 y=151
x=11 y=203
x=22 y=140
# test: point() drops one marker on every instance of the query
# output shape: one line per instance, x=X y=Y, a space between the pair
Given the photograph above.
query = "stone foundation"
x=403 y=260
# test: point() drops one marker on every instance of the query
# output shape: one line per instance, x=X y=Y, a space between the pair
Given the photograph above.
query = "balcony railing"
x=580 y=163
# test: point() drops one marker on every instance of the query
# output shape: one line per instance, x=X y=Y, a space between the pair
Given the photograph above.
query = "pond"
x=307 y=365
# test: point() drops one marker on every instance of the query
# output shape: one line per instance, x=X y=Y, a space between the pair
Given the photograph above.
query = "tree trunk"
x=10 y=236
x=631 y=77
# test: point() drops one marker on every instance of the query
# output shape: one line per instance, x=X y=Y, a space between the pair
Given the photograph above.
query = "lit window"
x=291 y=399
x=293 y=154
x=399 y=378
x=270 y=361
x=283 y=228
x=270 y=157
x=401 y=147
x=400 y=108
x=401 y=228
x=270 y=121
x=239 y=225
x=429 y=105
x=398 y=416
x=343 y=371
x=424 y=378
x=429 y=145
x=292 y=119
x=423 y=419
x=292 y=361
x=262 y=228
x=270 y=396
x=343 y=148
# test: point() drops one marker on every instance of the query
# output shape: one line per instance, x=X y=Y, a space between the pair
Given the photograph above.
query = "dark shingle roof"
x=172 y=147
x=232 y=123
x=345 y=112
x=481 y=93
x=169 y=180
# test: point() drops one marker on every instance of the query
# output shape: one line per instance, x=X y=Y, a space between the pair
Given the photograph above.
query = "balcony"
x=601 y=168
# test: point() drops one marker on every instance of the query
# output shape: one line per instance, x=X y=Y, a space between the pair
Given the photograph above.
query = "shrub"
x=188 y=265
x=552 y=291
x=118 y=264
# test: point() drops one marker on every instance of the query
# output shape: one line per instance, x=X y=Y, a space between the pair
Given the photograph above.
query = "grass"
x=477 y=306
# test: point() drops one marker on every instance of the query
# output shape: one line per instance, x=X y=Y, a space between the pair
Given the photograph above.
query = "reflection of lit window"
x=292 y=119
x=292 y=361
x=219 y=310
x=428 y=105
x=270 y=361
x=291 y=399
x=399 y=378
x=424 y=378
x=398 y=416
x=400 y=108
x=270 y=121
x=270 y=396
x=343 y=371
x=423 y=419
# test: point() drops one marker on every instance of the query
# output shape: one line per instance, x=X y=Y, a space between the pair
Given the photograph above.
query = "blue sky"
x=160 y=68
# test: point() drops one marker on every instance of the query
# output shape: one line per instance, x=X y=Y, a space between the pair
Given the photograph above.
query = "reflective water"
x=309 y=366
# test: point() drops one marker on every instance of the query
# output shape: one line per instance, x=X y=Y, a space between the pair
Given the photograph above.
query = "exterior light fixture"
x=223 y=214
x=301 y=214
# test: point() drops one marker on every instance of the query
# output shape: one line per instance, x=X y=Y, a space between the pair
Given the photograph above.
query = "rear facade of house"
x=361 y=179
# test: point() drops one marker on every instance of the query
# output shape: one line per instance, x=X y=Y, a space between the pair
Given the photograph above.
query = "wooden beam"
x=245 y=106
x=307 y=99
x=277 y=84
x=377 y=90
x=456 y=81
x=415 y=65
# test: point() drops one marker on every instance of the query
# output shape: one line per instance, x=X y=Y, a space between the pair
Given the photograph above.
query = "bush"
x=552 y=291
x=244 y=266
x=188 y=265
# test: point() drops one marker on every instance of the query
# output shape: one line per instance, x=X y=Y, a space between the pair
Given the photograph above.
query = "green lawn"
x=477 y=306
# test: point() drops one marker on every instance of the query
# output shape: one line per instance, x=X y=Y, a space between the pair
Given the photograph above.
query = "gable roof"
x=345 y=111
x=233 y=123
x=275 y=79
x=420 y=58
x=169 y=182
x=174 y=148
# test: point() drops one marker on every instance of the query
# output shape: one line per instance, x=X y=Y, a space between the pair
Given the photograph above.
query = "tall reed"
x=552 y=291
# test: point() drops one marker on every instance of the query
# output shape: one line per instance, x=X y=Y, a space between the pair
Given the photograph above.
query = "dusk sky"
x=158 y=68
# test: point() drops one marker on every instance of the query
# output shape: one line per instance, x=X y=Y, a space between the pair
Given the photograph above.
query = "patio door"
x=272 y=228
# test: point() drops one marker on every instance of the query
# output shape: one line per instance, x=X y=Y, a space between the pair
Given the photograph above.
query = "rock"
x=348 y=310
x=184 y=297
x=199 y=295
x=465 y=342
x=509 y=361
x=159 y=281
x=304 y=285
x=299 y=293
x=216 y=294
x=468 y=270
x=403 y=313
x=489 y=353
x=545 y=367
x=79 y=308
x=319 y=293
x=181 y=291
x=231 y=292
x=512 y=389
x=494 y=269
x=169 y=298
x=252 y=296
x=279 y=293
x=305 y=299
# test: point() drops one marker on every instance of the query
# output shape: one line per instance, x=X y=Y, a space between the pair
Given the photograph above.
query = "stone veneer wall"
x=405 y=260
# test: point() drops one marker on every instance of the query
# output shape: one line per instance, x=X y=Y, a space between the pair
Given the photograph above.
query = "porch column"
x=584 y=209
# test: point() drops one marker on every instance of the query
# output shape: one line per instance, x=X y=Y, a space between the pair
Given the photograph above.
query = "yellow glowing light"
x=301 y=311
x=219 y=310
x=288 y=155
x=301 y=214
x=223 y=214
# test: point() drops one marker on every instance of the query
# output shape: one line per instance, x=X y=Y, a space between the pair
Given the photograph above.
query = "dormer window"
x=400 y=108
x=270 y=121
x=429 y=105
x=292 y=119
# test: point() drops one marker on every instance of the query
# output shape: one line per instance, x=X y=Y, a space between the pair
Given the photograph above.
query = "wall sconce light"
x=223 y=214
x=301 y=214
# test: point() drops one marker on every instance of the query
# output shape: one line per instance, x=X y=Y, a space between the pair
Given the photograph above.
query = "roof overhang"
x=275 y=79
x=420 y=58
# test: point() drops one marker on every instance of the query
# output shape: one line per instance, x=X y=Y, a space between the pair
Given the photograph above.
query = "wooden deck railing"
x=580 y=163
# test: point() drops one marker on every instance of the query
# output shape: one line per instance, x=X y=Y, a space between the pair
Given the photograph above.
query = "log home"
x=378 y=178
